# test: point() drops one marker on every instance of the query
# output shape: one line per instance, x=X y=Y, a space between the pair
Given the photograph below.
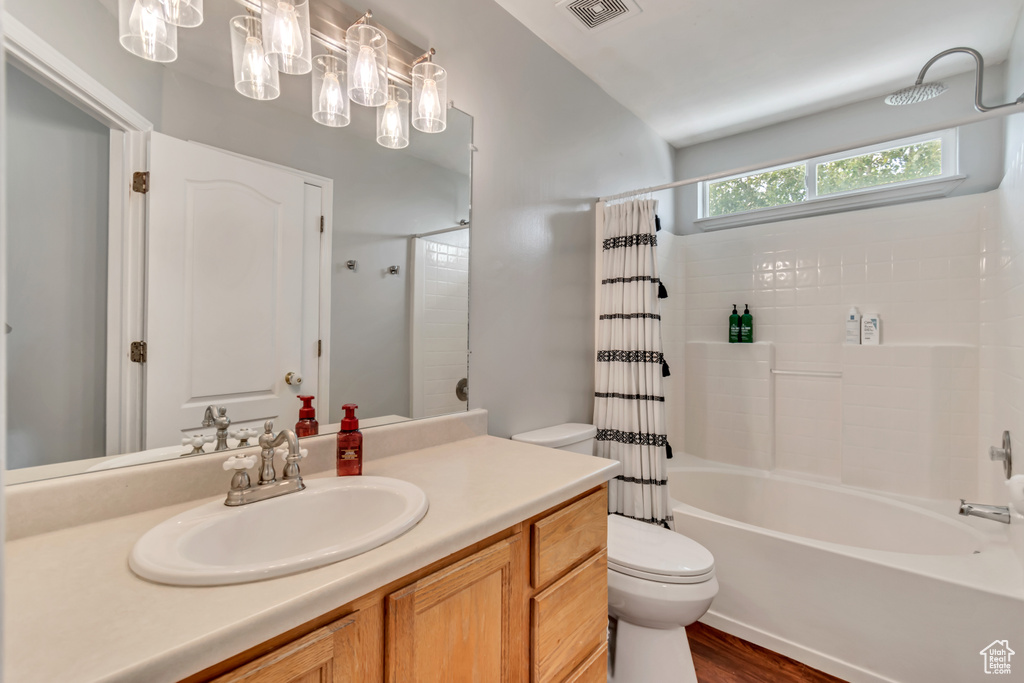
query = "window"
x=901 y=170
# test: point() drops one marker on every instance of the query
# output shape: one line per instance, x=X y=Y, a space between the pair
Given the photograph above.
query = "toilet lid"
x=654 y=550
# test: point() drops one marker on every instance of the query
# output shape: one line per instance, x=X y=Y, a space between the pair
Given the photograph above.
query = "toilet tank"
x=572 y=436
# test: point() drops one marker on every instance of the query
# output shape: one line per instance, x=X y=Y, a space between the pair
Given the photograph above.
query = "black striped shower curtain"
x=629 y=403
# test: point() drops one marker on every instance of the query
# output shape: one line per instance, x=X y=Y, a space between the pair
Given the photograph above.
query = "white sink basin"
x=331 y=520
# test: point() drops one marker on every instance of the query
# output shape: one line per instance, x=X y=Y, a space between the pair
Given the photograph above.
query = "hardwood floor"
x=722 y=658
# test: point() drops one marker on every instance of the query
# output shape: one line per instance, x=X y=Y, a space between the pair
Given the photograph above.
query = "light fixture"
x=367 y=49
x=183 y=13
x=330 y=94
x=921 y=91
x=286 y=38
x=429 y=95
x=379 y=68
x=144 y=31
x=253 y=75
x=393 y=119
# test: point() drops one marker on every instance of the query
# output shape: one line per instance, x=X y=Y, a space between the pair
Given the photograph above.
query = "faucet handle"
x=197 y=442
x=243 y=435
x=239 y=462
x=240 y=481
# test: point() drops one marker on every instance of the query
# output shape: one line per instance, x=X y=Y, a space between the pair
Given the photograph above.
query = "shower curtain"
x=629 y=404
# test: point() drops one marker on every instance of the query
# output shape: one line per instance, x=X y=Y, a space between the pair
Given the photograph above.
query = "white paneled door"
x=227 y=242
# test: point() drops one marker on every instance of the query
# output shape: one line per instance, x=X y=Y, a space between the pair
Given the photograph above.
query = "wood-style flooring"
x=722 y=658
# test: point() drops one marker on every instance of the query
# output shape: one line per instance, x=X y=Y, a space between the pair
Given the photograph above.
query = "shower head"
x=921 y=91
x=916 y=93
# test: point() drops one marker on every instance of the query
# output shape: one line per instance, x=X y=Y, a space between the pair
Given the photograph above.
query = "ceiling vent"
x=596 y=15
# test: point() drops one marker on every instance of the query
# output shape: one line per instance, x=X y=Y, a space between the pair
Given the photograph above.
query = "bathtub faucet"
x=997 y=513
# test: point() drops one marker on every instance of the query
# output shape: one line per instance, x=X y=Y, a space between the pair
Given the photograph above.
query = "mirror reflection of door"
x=230 y=242
x=232 y=286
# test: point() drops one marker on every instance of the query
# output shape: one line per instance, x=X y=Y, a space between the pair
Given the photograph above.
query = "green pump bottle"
x=746 y=326
x=734 y=326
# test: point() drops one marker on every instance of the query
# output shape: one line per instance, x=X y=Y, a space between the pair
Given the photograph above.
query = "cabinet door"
x=306 y=660
x=464 y=623
x=346 y=651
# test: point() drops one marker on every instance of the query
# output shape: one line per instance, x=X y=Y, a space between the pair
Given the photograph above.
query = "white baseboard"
x=812 y=658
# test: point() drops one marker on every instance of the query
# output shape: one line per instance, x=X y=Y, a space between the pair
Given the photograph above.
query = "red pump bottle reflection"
x=307 y=424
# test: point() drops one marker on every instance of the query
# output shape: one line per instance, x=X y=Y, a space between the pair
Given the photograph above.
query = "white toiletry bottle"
x=871 y=329
x=853 y=327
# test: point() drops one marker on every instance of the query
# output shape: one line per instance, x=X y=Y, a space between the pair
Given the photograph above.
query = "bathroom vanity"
x=504 y=579
x=529 y=603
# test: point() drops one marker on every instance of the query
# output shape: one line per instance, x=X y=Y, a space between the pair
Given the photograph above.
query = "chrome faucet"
x=218 y=417
x=243 y=492
x=997 y=513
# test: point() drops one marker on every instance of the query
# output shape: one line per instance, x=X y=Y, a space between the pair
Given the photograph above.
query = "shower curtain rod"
x=794 y=159
x=461 y=226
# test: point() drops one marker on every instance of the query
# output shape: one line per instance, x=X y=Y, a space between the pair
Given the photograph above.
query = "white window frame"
x=891 y=193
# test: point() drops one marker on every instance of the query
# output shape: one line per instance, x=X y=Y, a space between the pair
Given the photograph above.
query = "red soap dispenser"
x=350 y=443
x=307 y=424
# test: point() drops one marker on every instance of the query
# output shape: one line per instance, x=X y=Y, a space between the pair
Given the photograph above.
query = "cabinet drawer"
x=562 y=539
x=594 y=670
x=569 y=620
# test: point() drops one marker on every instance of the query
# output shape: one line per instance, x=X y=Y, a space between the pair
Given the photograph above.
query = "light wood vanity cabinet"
x=528 y=604
x=462 y=623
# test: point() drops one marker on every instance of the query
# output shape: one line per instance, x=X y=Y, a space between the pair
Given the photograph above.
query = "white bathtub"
x=862 y=586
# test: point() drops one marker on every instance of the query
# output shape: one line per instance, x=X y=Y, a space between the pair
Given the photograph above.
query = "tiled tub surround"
x=918 y=266
x=729 y=402
x=899 y=418
x=75 y=612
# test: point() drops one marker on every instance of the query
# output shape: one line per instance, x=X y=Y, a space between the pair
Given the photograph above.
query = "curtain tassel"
x=668 y=450
x=657 y=223
x=662 y=292
x=664 y=369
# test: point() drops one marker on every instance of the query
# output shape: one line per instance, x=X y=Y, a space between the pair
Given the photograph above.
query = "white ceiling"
x=696 y=70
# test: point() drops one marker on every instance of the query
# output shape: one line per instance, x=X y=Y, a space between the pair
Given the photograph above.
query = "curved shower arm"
x=979 y=62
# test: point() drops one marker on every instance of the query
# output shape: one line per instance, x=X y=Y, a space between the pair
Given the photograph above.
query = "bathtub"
x=863 y=586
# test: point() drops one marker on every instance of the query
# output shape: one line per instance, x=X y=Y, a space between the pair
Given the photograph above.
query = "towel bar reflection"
x=808 y=373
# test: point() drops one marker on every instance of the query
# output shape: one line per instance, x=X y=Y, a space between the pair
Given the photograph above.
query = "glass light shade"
x=183 y=13
x=253 y=75
x=393 y=119
x=367 y=49
x=429 y=98
x=330 y=93
x=286 y=36
x=144 y=31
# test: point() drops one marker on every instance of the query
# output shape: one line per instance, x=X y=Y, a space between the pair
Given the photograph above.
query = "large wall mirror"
x=222 y=267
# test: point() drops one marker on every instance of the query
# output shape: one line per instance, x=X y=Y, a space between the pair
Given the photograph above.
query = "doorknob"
x=293 y=378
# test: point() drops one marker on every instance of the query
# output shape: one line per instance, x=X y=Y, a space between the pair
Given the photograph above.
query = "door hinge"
x=140 y=182
x=321 y=223
x=138 y=352
x=319 y=347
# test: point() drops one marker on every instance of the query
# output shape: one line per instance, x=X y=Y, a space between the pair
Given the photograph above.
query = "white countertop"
x=76 y=612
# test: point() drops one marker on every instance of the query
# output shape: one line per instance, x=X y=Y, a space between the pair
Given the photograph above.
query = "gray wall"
x=549 y=142
x=855 y=125
x=56 y=265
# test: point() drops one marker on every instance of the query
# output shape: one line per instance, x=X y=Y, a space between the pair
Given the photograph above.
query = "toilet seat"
x=657 y=554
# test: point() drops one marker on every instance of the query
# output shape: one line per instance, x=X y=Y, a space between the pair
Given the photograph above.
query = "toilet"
x=659 y=582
